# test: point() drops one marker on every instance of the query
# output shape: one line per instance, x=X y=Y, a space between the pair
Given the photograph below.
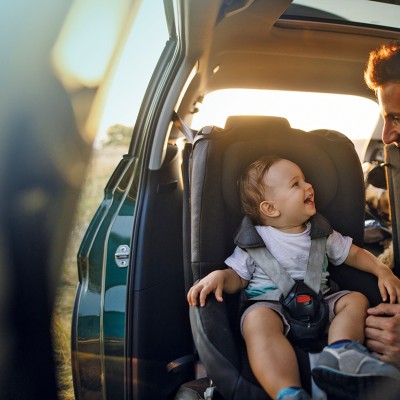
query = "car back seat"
x=219 y=156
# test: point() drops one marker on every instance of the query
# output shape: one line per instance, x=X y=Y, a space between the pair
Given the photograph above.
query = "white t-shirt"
x=291 y=251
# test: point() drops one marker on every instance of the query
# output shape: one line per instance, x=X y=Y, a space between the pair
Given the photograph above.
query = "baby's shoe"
x=347 y=369
x=292 y=393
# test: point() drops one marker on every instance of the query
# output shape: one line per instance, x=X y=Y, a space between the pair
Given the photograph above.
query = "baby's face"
x=291 y=194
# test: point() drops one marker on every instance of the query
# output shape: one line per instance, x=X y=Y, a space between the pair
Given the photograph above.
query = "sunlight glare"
x=87 y=40
x=354 y=116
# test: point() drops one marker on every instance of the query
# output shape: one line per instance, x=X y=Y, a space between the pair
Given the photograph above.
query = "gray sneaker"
x=351 y=371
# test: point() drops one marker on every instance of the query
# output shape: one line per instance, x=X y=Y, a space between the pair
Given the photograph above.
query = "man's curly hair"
x=383 y=66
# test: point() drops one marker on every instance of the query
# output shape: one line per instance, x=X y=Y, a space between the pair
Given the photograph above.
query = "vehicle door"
x=131 y=254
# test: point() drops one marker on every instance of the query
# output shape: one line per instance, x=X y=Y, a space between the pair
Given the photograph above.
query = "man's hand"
x=382 y=332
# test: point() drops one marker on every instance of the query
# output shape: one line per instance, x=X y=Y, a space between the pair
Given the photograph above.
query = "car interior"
x=319 y=58
x=219 y=157
x=281 y=48
x=186 y=200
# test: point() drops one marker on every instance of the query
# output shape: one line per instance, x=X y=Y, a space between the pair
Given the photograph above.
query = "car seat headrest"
x=251 y=122
x=254 y=137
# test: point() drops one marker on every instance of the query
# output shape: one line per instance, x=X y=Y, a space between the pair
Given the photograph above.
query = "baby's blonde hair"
x=252 y=188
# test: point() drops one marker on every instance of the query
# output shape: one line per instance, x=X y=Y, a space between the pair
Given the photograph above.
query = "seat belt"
x=183 y=127
x=188 y=359
x=315 y=263
x=269 y=264
x=302 y=303
x=188 y=274
x=189 y=134
x=392 y=161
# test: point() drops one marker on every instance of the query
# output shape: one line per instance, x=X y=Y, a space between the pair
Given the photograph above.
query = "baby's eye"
x=296 y=184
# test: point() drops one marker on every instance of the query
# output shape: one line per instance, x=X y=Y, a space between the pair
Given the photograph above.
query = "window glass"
x=354 y=116
x=119 y=100
x=376 y=13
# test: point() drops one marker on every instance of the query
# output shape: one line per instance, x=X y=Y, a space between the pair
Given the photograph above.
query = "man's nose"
x=390 y=134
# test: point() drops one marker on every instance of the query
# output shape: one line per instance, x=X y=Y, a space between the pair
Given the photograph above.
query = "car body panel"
x=110 y=332
x=99 y=311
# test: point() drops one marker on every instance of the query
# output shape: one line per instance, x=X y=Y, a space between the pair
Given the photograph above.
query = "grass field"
x=102 y=164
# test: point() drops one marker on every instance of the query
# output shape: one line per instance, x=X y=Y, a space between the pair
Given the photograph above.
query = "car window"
x=379 y=14
x=354 y=116
x=120 y=98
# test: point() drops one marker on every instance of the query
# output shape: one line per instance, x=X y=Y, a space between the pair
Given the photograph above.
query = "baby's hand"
x=213 y=282
x=389 y=286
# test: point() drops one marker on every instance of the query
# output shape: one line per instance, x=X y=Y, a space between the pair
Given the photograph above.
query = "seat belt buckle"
x=304 y=299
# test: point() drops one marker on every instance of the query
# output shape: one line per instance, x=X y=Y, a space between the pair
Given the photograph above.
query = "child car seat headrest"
x=257 y=136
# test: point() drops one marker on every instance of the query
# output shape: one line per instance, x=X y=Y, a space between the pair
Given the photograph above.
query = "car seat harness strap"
x=302 y=300
x=269 y=264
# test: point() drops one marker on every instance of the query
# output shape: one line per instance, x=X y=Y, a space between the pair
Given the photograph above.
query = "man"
x=383 y=76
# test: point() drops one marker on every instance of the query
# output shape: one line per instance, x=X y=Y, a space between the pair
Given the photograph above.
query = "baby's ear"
x=268 y=209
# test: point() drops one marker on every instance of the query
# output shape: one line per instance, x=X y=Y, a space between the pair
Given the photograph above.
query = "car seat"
x=218 y=157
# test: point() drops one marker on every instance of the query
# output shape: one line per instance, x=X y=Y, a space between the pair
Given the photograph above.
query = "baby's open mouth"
x=309 y=199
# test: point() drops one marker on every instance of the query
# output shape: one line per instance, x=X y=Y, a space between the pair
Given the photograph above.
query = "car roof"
x=284 y=45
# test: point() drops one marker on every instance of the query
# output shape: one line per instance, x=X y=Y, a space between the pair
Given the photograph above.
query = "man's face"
x=389 y=101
